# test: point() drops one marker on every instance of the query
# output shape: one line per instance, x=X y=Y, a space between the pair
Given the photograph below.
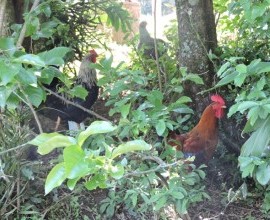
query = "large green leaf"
x=263 y=174
x=55 y=178
x=75 y=163
x=35 y=95
x=131 y=146
x=48 y=142
x=227 y=79
x=194 y=78
x=8 y=71
x=54 y=56
x=160 y=127
x=30 y=59
x=7 y=45
x=97 y=127
x=258 y=141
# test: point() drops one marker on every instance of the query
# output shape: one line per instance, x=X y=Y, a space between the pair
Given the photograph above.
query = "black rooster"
x=147 y=45
x=56 y=108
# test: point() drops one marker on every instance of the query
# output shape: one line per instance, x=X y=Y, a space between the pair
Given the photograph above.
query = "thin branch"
x=159 y=167
x=22 y=34
x=156 y=49
x=76 y=105
x=14 y=148
x=32 y=110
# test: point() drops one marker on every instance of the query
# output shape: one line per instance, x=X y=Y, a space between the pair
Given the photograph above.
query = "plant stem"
x=155 y=43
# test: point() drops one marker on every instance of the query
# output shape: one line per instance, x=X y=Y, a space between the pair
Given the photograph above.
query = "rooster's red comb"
x=218 y=99
x=93 y=52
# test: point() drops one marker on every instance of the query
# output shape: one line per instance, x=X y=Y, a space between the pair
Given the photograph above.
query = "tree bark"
x=197 y=34
x=3 y=4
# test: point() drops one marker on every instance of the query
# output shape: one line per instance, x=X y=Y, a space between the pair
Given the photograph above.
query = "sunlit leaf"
x=48 y=142
x=131 y=146
x=55 y=178
x=97 y=127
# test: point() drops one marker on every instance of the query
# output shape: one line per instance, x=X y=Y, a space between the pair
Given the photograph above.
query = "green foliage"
x=79 y=162
x=22 y=72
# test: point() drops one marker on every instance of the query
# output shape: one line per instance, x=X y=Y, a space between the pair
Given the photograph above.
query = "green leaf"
x=160 y=127
x=8 y=71
x=7 y=45
x=241 y=68
x=155 y=97
x=194 y=78
x=117 y=171
x=223 y=68
x=79 y=91
x=55 y=178
x=227 y=79
x=160 y=203
x=263 y=174
x=258 y=141
x=96 y=181
x=246 y=105
x=54 y=56
x=32 y=25
x=124 y=109
x=97 y=127
x=135 y=145
x=48 y=142
x=27 y=77
x=239 y=79
x=71 y=183
x=30 y=59
x=177 y=195
x=4 y=95
x=35 y=95
x=246 y=166
x=75 y=163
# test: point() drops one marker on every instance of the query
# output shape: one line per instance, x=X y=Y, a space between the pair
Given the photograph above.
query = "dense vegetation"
x=126 y=154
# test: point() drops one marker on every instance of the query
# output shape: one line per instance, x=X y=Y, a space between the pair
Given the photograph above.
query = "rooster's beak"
x=224 y=106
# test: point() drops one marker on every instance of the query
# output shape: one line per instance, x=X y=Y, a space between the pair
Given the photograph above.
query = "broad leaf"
x=8 y=71
x=55 y=178
x=7 y=45
x=227 y=79
x=54 y=56
x=160 y=127
x=75 y=163
x=258 y=141
x=96 y=181
x=263 y=174
x=131 y=146
x=30 y=59
x=97 y=127
x=48 y=142
x=35 y=95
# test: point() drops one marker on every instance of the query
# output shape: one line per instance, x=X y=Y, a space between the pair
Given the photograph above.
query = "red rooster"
x=54 y=107
x=202 y=140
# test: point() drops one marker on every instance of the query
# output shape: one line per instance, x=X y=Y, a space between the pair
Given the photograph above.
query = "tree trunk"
x=3 y=21
x=197 y=34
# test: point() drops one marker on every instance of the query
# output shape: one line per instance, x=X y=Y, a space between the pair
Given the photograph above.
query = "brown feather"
x=202 y=140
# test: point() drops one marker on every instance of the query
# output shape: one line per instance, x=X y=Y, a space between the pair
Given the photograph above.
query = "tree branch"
x=76 y=105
